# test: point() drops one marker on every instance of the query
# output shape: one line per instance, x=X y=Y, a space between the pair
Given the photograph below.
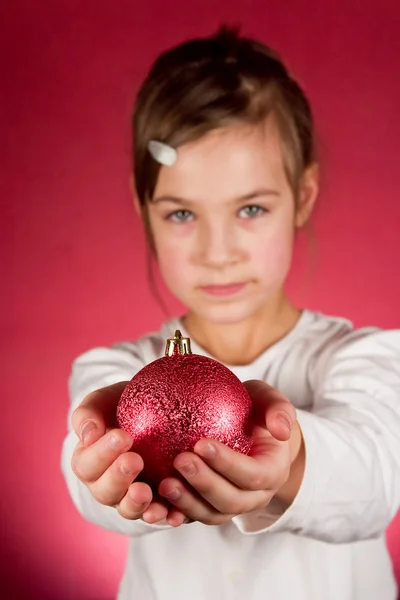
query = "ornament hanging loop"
x=178 y=345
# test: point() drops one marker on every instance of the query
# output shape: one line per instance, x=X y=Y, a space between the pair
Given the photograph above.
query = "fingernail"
x=131 y=493
x=286 y=422
x=126 y=470
x=174 y=495
x=207 y=450
x=187 y=468
x=87 y=428
x=114 y=442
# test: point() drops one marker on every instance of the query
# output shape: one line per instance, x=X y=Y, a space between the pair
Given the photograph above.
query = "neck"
x=241 y=343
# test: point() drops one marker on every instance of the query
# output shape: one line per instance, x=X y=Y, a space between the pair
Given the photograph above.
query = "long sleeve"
x=351 y=485
x=92 y=370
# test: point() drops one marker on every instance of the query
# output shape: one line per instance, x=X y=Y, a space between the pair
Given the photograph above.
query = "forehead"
x=226 y=162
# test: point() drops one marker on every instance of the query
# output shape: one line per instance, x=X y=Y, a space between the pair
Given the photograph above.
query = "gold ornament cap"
x=178 y=344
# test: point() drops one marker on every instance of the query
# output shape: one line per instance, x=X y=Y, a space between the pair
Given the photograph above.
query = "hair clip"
x=162 y=153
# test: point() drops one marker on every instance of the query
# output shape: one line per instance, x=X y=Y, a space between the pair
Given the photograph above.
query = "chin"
x=227 y=315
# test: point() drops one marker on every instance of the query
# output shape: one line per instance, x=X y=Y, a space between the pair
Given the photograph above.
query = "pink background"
x=75 y=274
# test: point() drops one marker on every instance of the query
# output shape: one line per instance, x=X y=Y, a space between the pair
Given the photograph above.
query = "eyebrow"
x=250 y=196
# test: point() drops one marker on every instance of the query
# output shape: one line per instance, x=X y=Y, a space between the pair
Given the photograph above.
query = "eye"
x=180 y=216
x=251 y=211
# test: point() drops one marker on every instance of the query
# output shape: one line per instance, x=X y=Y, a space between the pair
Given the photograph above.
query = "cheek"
x=172 y=262
x=273 y=253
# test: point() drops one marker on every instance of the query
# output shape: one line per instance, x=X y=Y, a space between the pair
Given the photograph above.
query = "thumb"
x=97 y=413
x=271 y=409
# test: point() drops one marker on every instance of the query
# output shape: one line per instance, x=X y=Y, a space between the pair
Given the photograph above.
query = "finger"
x=111 y=487
x=265 y=470
x=156 y=512
x=176 y=518
x=96 y=412
x=90 y=463
x=271 y=409
x=186 y=501
x=218 y=491
x=137 y=499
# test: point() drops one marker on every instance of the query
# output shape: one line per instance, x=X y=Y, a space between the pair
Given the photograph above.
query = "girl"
x=225 y=173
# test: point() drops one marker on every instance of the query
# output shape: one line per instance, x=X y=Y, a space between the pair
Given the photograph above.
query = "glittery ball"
x=175 y=401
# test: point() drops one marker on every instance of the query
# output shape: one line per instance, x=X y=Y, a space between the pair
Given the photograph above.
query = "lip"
x=224 y=290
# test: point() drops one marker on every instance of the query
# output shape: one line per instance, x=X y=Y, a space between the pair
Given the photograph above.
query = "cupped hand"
x=102 y=461
x=224 y=483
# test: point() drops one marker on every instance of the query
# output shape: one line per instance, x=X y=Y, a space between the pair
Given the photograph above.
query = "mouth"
x=224 y=290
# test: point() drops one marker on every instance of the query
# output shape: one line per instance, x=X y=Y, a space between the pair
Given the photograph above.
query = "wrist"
x=289 y=490
x=296 y=443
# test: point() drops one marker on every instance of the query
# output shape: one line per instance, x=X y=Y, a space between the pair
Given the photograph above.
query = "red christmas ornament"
x=177 y=400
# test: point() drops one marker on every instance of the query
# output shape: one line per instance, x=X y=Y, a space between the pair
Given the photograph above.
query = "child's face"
x=224 y=214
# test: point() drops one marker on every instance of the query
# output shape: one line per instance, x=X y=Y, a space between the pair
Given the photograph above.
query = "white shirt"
x=329 y=544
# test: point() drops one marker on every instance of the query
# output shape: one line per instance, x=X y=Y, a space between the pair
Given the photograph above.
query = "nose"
x=218 y=245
